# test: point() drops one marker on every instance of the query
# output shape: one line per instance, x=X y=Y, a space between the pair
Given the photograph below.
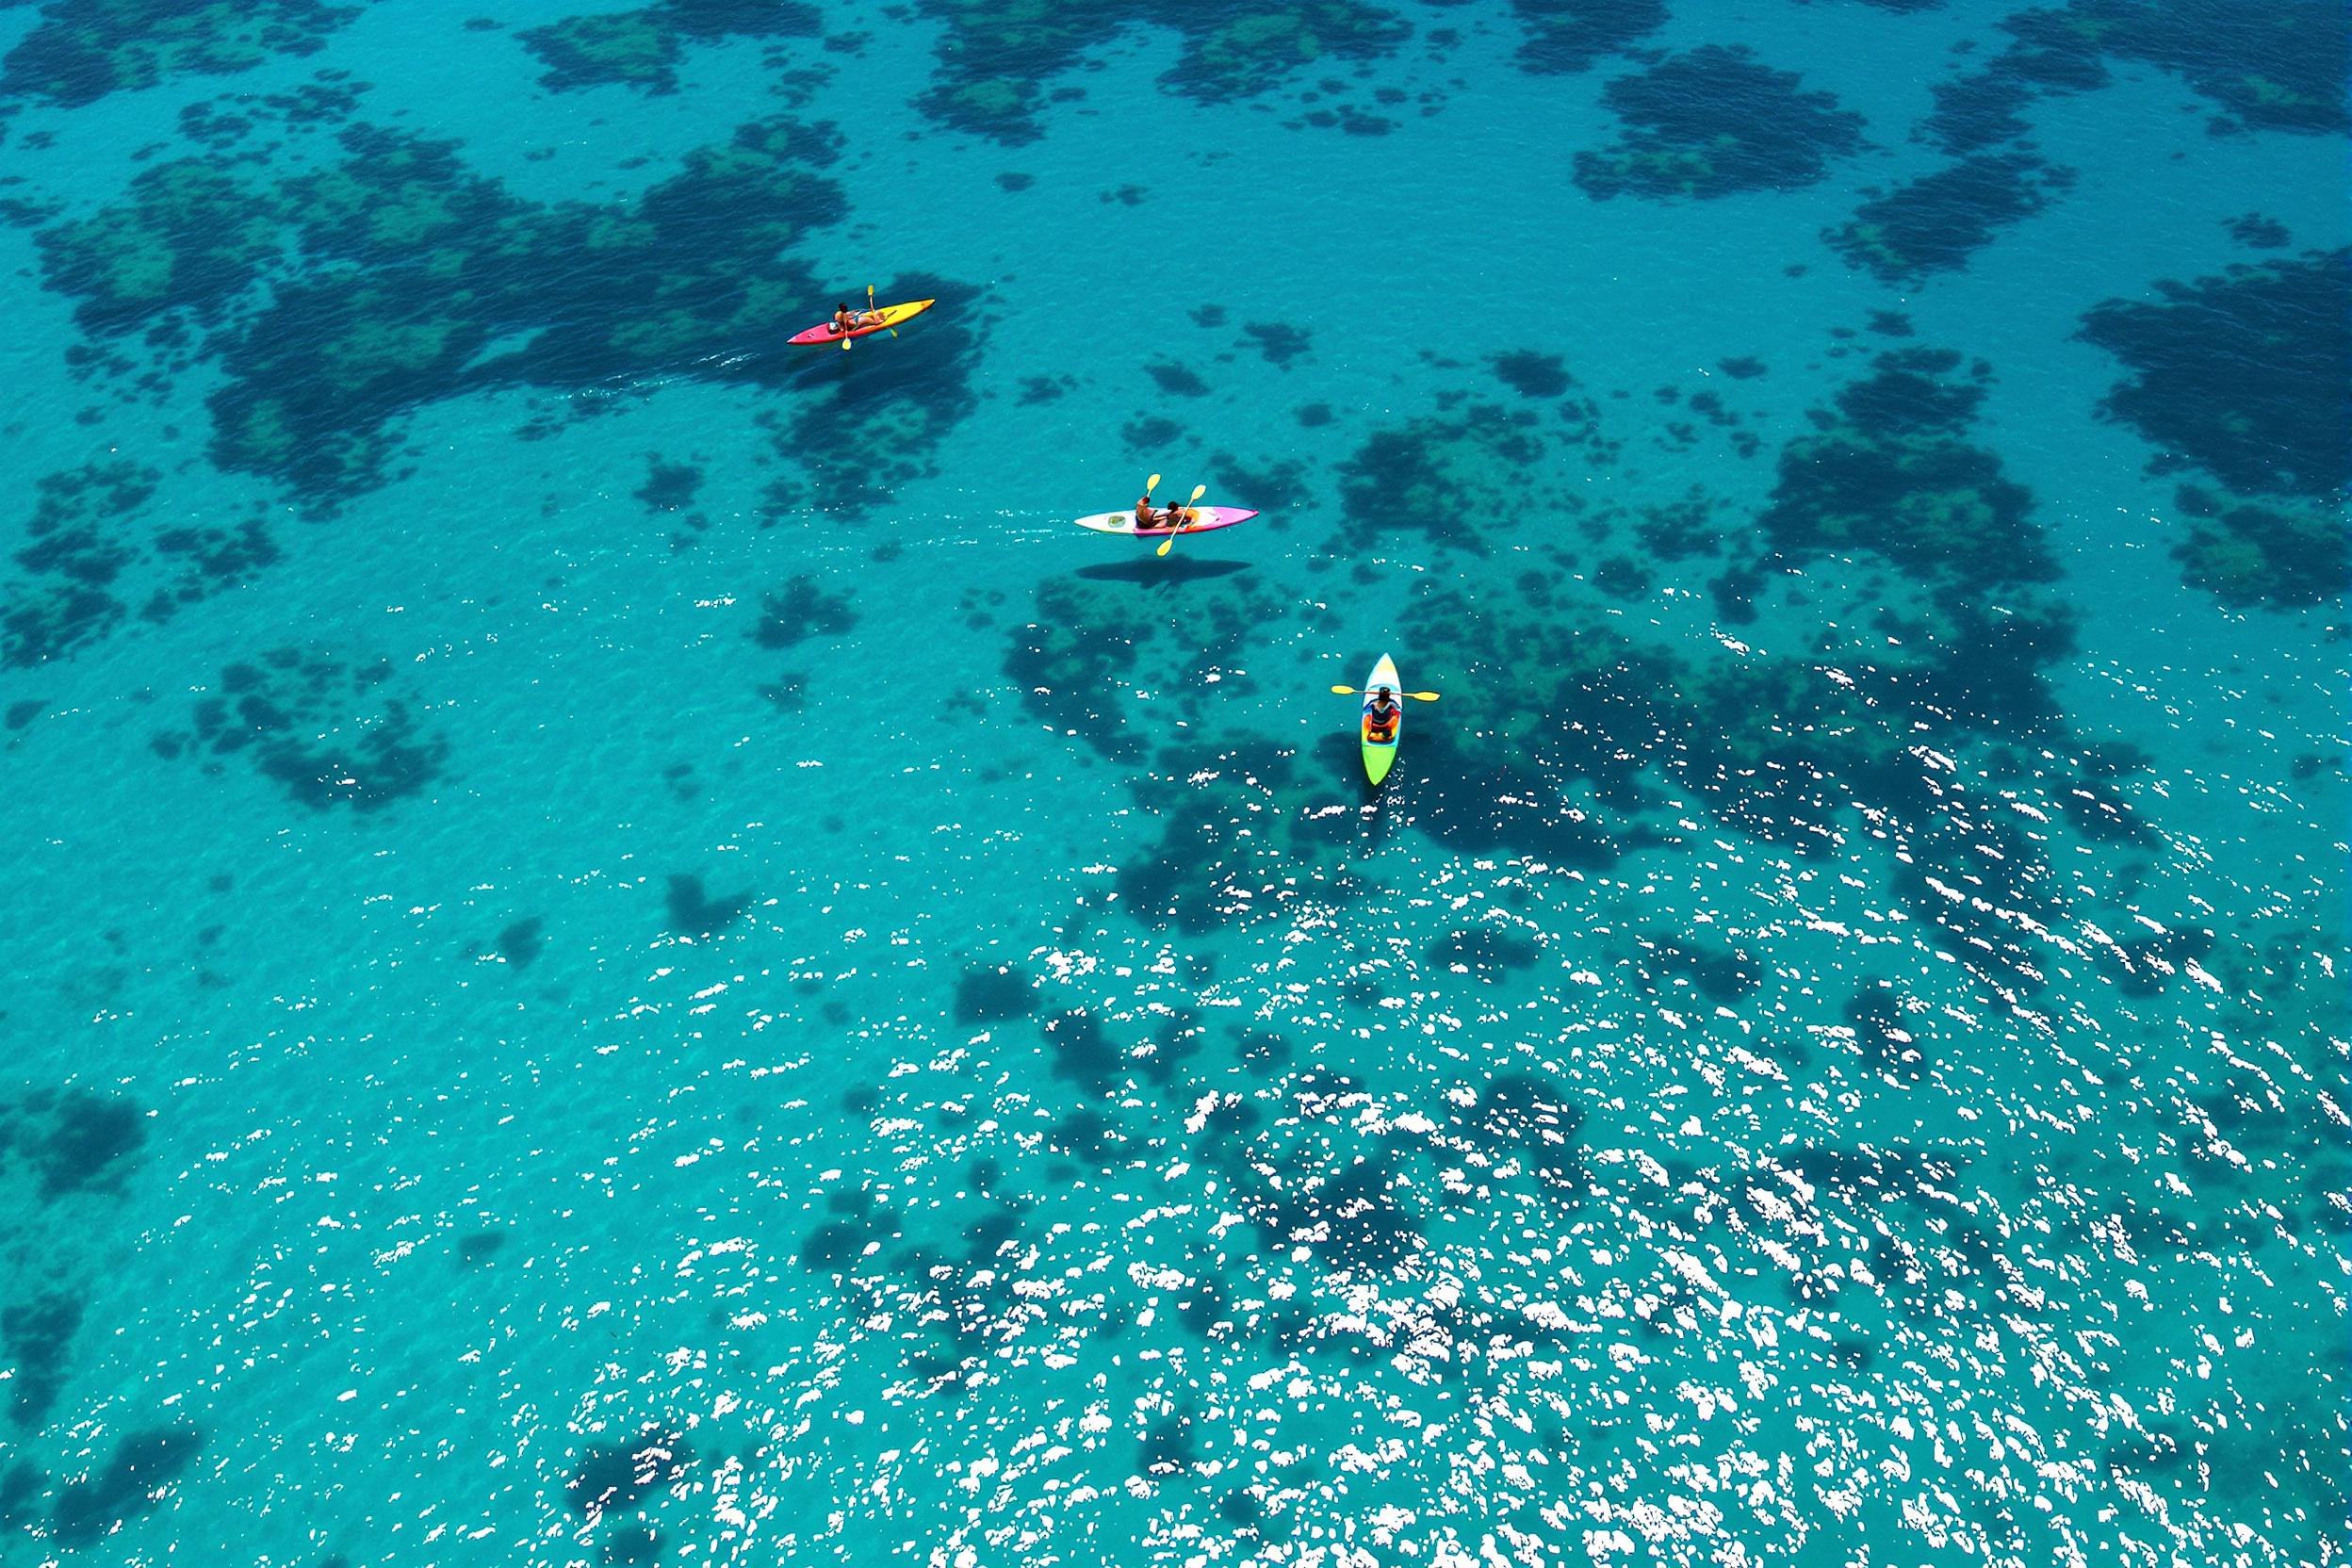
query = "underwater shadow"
x=1151 y=571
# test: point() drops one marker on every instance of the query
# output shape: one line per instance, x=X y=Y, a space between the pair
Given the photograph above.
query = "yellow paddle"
x=1178 y=524
x=1351 y=692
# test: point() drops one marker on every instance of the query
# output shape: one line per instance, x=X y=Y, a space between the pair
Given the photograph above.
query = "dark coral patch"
x=1534 y=375
x=2257 y=233
x=1567 y=737
x=799 y=610
x=1065 y=663
x=1890 y=473
x=1525 y=1118
x=669 y=487
x=1978 y=111
x=995 y=64
x=1150 y=434
x=1679 y=530
x=476 y=1250
x=1720 y=976
x=521 y=943
x=1565 y=37
x=82 y=50
x=89 y=529
x=35 y=1335
x=617 y=1476
x=325 y=729
x=1280 y=341
x=694 y=912
x=1935 y=222
x=1083 y=1055
x=1484 y=950
x=399 y=278
x=1301 y=1179
x=1094 y=639
x=144 y=1466
x=1461 y=481
x=2251 y=552
x=2242 y=374
x=1278 y=488
x=2280 y=66
x=188 y=238
x=643 y=48
x=89 y=1144
x=1240 y=839
x=1537 y=764
x=1175 y=379
x=993 y=995
x=1621 y=576
x=76 y=539
x=632 y=1546
x=1712 y=122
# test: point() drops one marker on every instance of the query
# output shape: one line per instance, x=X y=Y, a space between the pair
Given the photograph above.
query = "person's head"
x=1383 y=694
x=841 y=310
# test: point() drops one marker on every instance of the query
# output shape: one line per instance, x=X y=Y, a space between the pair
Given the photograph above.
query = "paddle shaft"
x=1176 y=524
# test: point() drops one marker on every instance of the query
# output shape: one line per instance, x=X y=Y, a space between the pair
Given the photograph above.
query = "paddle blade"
x=1198 y=491
x=1153 y=484
x=1422 y=697
x=1346 y=691
x=1164 y=544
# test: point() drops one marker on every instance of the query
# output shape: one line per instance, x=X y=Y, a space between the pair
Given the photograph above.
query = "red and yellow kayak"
x=823 y=332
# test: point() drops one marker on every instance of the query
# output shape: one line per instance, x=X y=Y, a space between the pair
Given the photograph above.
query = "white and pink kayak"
x=1202 y=519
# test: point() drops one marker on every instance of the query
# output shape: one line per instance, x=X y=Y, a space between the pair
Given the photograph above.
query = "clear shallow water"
x=647 y=958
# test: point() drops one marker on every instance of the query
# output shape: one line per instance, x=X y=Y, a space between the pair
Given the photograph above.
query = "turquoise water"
x=626 y=949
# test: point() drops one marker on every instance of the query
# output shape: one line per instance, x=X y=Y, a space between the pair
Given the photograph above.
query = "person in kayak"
x=1175 y=516
x=846 y=319
x=1380 y=717
x=1145 y=517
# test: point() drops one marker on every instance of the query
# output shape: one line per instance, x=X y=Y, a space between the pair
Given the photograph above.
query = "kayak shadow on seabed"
x=1151 y=571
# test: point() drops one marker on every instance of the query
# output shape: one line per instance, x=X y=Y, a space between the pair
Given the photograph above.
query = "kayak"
x=1205 y=518
x=823 y=332
x=1380 y=755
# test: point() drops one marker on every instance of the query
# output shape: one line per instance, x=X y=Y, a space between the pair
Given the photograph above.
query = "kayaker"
x=1380 y=717
x=1145 y=517
x=1175 y=516
x=846 y=319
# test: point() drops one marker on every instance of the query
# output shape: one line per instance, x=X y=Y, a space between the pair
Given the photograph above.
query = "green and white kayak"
x=1378 y=755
